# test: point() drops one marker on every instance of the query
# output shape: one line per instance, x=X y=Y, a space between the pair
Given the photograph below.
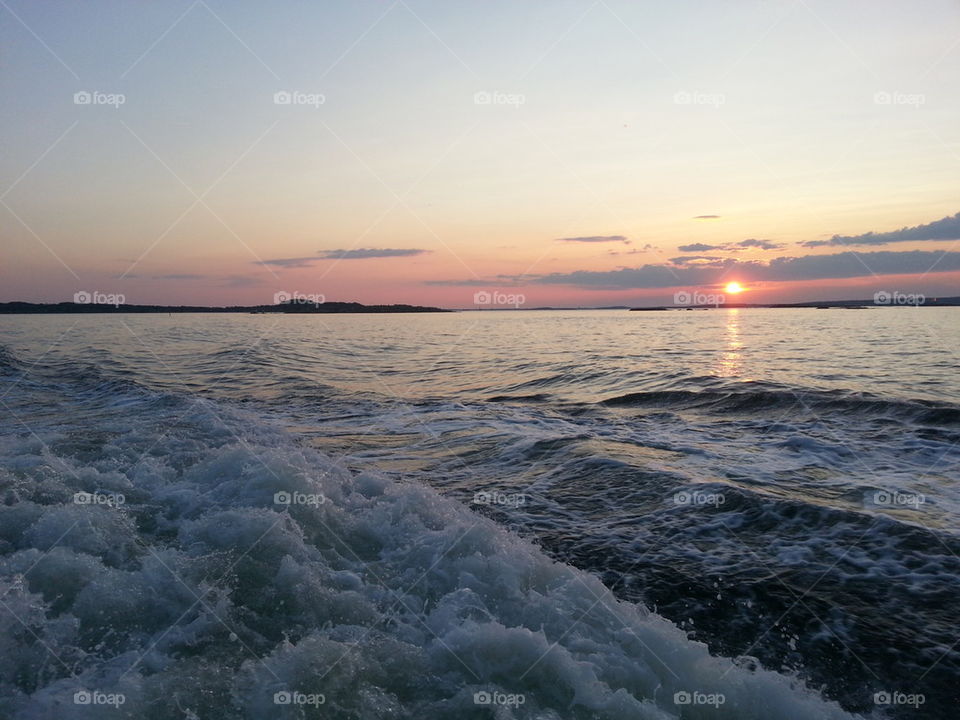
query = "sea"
x=733 y=513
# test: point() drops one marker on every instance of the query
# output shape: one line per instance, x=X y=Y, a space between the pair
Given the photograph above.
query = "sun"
x=733 y=288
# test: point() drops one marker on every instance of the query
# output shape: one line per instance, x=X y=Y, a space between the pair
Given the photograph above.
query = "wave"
x=756 y=397
x=212 y=567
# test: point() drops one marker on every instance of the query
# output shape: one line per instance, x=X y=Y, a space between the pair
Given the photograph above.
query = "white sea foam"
x=200 y=596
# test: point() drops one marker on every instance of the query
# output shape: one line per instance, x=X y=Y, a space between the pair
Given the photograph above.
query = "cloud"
x=783 y=269
x=706 y=217
x=700 y=247
x=762 y=244
x=240 y=281
x=364 y=253
x=947 y=228
x=299 y=262
x=461 y=283
x=352 y=254
x=179 y=276
x=596 y=239
x=712 y=260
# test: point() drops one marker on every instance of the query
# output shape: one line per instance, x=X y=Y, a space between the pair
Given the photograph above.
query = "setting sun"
x=734 y=287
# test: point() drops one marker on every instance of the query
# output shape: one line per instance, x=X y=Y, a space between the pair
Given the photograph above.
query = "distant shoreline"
x=344 y=308
x=814 y=304
x=291 y=308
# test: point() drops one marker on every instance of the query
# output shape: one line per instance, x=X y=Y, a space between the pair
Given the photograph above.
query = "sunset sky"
x=578 y=153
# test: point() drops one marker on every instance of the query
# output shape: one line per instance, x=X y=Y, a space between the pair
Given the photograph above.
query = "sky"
x=568 y=153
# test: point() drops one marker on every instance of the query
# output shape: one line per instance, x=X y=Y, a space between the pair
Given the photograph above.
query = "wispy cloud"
x=297 y=262
x=596 y=239
x=700 y=247
x=179 y=276
x=352 y=254
x=761 y=244
x=701 y=260
x=947 y=228
x=365 y=253
x=706 y=217
x=733 y=247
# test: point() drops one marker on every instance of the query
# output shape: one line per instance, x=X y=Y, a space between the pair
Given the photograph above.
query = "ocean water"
x=596 y=514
